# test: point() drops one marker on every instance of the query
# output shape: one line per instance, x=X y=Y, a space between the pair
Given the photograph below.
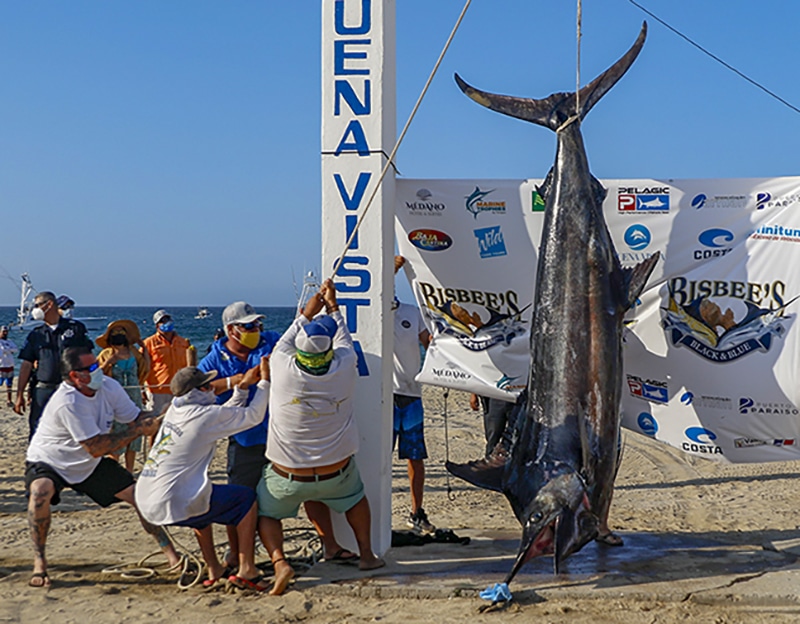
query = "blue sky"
x=167 y=152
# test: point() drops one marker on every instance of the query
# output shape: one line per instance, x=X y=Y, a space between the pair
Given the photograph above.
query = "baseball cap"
x=3 y=328
x=316 y=336
x=239 y=312
x=189 y=378
x=159 y=315
x=64 y=302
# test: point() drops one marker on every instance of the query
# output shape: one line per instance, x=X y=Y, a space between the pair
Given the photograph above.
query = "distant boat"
x=203 y=313
x=25 y=320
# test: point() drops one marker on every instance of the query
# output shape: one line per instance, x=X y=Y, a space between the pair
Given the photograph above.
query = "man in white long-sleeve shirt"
x=174 y=488
x=312 y=432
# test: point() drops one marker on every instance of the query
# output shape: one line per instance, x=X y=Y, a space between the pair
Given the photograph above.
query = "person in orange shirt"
x=169 y=353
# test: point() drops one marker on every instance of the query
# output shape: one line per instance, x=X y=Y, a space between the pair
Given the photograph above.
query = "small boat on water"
x=203 y=313
x=26 y=322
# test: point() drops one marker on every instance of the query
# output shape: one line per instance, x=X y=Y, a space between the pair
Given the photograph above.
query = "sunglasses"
x=249 y=326
x=89 y=369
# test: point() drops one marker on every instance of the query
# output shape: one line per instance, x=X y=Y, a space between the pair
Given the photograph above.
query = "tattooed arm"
x=103 y=444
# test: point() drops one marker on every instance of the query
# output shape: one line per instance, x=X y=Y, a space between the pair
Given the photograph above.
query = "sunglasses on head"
x=249 y=326
x=89 y=369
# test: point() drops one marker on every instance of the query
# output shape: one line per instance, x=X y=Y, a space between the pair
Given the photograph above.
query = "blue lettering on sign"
x=340 y=55
x=365 y=279
x=366 y=19
x=343 y=89
x=696 y=434
x=351 y=202
x=353 y=99
x=359 y=142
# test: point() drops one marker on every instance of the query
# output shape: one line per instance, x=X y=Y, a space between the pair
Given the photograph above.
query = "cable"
x=390 y=161
x=716 y=58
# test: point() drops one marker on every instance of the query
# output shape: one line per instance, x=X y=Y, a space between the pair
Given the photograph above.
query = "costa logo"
x=715 y=237
x=430 y=240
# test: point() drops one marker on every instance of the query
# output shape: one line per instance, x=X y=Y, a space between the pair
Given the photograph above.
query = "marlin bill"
x=558 y=459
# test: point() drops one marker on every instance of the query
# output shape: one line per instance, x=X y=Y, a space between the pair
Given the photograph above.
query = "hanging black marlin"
x=558 y=460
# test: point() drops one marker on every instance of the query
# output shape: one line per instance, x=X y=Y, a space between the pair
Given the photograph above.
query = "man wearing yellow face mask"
x=244 y=344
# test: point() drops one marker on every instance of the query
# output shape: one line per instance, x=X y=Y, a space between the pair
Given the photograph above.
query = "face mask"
x=118 y=340
x=249 y=340
x=67 y=314
x=167 y=327
x=96 y=380
x=37 y=314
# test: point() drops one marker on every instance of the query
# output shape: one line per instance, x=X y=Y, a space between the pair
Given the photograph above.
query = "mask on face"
x=67 y=314
x=248 y=340
x=37 y=314
x=96 y=380
x=167 y=327
x=118 y=340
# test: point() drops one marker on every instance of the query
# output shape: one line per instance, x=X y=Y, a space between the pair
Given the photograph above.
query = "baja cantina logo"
x=634 y=200
x=476 y=203
x=497 y=321
x=702 y=441
x=648 y=389
x=430 y=240
x=694 y=319
x=425 y=204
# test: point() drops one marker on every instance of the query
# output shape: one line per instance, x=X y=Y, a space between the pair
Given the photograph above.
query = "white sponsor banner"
x=711 y=350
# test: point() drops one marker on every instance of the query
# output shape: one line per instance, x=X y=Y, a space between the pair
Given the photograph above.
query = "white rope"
x=579 y=19
x=390 y=160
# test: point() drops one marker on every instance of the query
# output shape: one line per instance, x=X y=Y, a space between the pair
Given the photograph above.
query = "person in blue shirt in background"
x=244 y=344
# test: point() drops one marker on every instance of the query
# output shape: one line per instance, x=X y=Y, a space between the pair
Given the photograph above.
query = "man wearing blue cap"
x=312 y=432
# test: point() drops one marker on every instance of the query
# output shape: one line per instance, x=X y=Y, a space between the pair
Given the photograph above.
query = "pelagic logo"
x=490 y=242
x=430 y=240
x=648 y=389
x=694 y=317
x=645 y=200
x=425 y=204
x=476 y=203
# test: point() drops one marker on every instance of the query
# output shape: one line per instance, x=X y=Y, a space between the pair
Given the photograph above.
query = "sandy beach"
x=661 y=494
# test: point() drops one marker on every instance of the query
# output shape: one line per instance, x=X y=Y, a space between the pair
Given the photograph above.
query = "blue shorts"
x=280 y=497
x=6 y=376
x=408 y=427
x=229 y=505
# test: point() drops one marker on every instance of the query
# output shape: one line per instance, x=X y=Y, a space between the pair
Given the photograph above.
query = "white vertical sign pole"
x=358 y=132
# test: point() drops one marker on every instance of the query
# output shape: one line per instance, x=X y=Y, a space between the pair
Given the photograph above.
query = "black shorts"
x=246 y=463
x=101 y=486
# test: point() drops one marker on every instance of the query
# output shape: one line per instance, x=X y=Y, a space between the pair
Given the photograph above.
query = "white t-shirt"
x=408 y=326
x=311 y=420
x=70 y=418
x=7 y=351
x=174 y=483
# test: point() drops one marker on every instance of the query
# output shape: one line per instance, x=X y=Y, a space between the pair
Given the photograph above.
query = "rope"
x=578 y=61
x=390 y=160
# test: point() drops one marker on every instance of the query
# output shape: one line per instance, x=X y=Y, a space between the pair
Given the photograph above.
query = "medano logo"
x=430 y=240
x=425 y=205
x=637 y=237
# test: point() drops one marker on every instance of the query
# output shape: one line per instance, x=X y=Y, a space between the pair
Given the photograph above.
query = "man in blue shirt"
x=244 y=344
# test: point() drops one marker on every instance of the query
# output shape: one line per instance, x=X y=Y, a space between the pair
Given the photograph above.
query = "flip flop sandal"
x=344 y=557
x=609 y=539
x=238 y=582
x=209 y=584
x=43 y=580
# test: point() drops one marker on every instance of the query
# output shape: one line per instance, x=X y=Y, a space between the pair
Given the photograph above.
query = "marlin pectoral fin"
x=486 y=473
x=562 y=537
x=637 y=277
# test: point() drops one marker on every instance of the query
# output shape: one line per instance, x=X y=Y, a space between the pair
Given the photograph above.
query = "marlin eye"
x=538 y=515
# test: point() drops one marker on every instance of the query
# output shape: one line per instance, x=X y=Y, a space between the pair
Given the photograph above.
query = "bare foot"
x=372 y=563
x=283 y=574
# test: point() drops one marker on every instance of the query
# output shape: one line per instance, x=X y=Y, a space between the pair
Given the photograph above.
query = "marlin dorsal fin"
x=637 y=277
x=486 y=473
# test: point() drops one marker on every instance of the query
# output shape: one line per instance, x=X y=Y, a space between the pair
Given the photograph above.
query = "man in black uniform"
x=43 y=347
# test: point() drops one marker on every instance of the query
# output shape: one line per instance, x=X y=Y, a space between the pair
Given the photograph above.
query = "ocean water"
x=199 y=331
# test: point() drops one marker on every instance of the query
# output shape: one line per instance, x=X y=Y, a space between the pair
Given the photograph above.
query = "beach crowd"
x=283 y=402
